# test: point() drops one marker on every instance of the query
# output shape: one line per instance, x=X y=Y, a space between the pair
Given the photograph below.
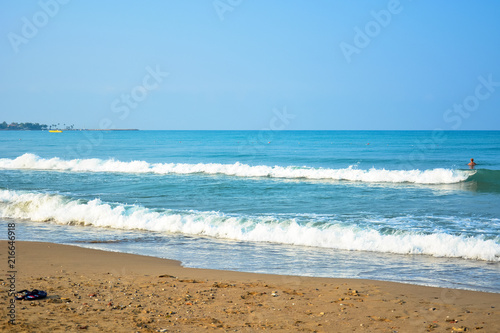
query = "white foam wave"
x=62 y=210
x=433 y=176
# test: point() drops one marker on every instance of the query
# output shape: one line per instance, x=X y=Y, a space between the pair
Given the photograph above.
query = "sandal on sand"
x=30 y=295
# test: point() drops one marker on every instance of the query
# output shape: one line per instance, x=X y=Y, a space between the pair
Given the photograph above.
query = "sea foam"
x=326 y=234
x=432 y=176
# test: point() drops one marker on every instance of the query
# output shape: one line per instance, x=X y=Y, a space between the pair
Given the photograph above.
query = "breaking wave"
x=432 y=176
x=318 y=233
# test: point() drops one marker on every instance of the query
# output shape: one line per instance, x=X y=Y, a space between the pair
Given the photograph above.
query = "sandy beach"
x=97 y=291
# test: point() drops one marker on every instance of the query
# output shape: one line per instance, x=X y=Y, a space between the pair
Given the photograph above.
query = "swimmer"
x=472 y=163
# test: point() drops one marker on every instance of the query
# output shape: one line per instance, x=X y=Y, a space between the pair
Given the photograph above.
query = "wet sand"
x=97 y=291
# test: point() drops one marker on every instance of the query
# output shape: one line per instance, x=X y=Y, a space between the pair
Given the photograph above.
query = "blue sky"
x=236 y=64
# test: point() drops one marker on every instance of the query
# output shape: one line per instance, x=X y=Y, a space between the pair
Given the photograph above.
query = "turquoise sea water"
x=389 y=205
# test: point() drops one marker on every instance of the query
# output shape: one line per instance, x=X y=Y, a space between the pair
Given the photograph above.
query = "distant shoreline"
x=71 y=130
x=97 y=129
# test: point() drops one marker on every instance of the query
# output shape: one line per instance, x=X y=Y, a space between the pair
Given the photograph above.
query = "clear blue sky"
x=331 y=64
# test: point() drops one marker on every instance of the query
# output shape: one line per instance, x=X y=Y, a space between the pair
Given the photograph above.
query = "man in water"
x=472 y=163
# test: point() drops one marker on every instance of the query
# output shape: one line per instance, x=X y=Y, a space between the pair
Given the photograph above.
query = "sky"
x=251 y=65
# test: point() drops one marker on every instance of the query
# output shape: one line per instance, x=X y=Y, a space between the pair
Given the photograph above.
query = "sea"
x=399 y=206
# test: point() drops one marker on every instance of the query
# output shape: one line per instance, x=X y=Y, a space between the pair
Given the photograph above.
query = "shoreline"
x=197 y=265
x=111 y=291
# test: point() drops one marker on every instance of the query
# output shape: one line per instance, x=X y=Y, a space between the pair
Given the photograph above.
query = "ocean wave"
x=432 y=176
x=63 y=210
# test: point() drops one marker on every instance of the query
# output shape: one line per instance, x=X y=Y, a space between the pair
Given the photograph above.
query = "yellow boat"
x=55 y=131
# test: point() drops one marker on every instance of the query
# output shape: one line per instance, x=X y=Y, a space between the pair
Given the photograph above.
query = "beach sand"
x=97 y=291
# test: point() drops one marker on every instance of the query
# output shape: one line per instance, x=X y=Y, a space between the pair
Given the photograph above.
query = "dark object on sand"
x=30 y=295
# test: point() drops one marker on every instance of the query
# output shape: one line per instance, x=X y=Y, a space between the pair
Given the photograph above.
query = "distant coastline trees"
x=42 y=127
x=23 y=126
x=28 y=126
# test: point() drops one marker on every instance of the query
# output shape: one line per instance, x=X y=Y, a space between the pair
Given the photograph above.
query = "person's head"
x=472 y=160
